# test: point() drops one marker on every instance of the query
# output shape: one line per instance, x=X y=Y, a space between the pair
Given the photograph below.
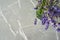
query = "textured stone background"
x=16 y=22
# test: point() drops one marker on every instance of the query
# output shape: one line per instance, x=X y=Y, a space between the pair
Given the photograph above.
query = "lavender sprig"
x=47 y=25
x=35 y=22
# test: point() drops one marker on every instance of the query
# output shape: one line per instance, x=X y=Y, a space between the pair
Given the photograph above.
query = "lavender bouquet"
x=48 y=11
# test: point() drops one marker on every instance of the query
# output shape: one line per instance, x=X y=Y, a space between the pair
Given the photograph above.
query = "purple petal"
x=58 y=23
x=52 y=20
x=47 y=25
x=44 y=19
x=58 y=29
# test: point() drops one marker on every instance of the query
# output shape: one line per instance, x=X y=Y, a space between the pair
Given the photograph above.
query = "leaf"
x=39 y=13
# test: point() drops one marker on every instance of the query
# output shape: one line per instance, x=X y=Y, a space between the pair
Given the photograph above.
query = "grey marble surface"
x=16 y=22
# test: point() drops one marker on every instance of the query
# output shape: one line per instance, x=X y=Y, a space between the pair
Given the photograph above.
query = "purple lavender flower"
x=35 y=22
x=58 y=23
x=44 y=19
x=54 y=11
x=58 y=29
x=47 y=25
x=54 y=25
x=52 y=14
